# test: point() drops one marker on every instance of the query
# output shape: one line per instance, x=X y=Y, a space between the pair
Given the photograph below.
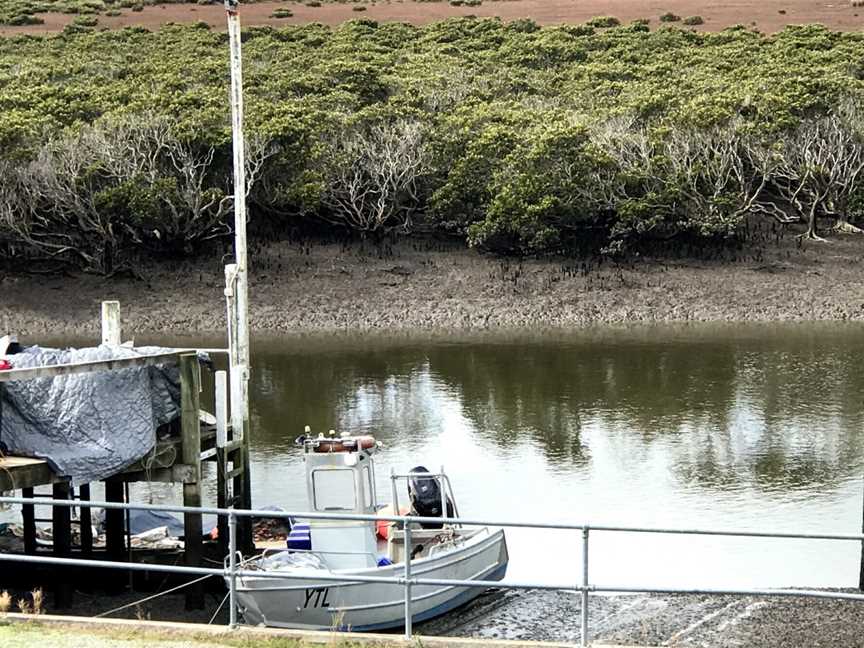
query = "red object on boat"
x=5 y=365
x=382 y=527
x=344 y=444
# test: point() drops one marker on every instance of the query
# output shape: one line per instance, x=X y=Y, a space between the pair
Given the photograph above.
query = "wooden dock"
x=180 y=451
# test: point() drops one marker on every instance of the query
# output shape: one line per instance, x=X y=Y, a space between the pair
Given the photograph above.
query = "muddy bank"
x=661 y=620
x=418 y=287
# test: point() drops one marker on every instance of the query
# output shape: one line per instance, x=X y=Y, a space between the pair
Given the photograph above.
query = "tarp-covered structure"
x=92 y=425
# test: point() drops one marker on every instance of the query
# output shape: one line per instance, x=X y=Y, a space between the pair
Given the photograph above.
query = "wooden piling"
x=246 y=539
x=86 y=521
x=62 y=536
x=223 y=497
x=115 y=533
x=111 y=323
x=190 y=430
x=28 y=515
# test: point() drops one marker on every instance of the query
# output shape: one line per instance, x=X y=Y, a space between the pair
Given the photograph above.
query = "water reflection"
x=740 y=426
x=768 y=410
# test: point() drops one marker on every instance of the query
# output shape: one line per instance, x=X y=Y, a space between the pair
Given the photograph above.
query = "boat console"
x=340 y=478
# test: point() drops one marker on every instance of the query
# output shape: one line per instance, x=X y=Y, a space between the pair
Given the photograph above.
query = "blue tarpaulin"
x=92 y=425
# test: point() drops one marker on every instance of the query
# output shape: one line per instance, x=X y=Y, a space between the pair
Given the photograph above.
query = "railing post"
x=395 y=493
x=584 y=632
x=232 y=573
x=440 y=481
x=407 y=582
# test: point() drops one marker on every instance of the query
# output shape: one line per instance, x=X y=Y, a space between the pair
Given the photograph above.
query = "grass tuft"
x=5 y=602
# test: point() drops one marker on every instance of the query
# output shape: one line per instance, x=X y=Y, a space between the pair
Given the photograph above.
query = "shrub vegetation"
x=519 y=139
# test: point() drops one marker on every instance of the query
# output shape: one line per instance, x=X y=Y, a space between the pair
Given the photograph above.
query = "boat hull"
x=307 y=603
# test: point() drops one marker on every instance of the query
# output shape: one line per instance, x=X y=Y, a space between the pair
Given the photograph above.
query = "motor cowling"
x=425 y=495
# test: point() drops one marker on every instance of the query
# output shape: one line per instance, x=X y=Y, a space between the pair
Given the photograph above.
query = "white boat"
x=340 y=478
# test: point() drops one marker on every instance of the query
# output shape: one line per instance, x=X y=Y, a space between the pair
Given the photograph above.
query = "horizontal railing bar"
x=729 y=532
x=398 y=580
x=73 y=368
x=436 y=520
x=109 y=564
x=731 y=592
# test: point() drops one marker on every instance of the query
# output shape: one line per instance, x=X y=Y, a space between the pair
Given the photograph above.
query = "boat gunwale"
x=481 y=545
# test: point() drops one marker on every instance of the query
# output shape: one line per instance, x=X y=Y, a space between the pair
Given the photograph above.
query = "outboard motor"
x=425 y=494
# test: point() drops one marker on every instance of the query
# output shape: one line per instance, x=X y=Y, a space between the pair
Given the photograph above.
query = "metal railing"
x=232 y=571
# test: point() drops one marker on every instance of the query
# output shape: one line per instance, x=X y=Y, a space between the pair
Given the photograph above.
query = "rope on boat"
x=213 y=618
x=154 y=596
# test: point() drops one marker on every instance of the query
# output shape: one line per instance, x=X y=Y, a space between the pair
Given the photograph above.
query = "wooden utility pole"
x=238 y=277
x=241 y=290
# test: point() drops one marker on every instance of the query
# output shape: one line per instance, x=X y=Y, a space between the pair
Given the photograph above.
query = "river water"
x=744 y=427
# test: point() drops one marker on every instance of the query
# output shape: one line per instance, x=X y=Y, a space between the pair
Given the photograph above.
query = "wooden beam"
x=208 y=454
x=52 y=371
x=236 y=472
x=176 y=474
x=233 y=446
x=190 y=431
x=25 y=472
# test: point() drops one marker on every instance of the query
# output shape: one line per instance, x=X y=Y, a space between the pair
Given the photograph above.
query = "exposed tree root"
x=847 y=228
x=811 y=236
